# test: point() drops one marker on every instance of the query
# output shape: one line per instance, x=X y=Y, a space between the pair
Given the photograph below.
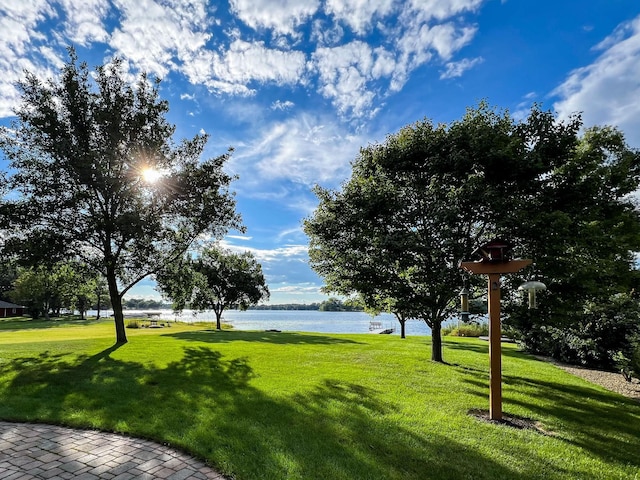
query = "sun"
x=151 y=175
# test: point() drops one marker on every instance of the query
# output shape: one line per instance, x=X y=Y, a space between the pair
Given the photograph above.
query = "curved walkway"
x=34 y=451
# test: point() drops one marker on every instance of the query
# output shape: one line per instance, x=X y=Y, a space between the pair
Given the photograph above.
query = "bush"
x=603 y=335
x=467 y=330
x=629 y=362
x=133 y=324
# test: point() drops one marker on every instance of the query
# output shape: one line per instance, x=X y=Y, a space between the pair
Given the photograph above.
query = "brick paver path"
x=29 y=451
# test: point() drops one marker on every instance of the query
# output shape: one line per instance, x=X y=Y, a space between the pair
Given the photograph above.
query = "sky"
x=297 y=87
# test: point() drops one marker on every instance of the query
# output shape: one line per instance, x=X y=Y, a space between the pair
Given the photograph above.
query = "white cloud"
x=84 y=19
x=304 y=149
x=456 y=69
x=281 y=16
x=184 y=36
x=607 y=91
x=18 y=36
x=425 y=10
x=243 y=63
x=345 y=72
x=421 y=39
x=287 y=252
x=325 y=33
x=297 y=289
x=305 y=292
x=279 y=105
x=157 y=37
x=239 y=237
x=295 y=231
x=359 y=14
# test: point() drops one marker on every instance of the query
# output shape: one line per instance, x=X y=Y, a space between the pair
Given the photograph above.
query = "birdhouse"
x=495 y=251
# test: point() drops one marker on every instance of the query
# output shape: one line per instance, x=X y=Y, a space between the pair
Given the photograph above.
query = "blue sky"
x=298 y=86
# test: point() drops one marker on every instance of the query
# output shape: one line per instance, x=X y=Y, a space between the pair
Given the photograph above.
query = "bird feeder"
x=464 y=304
x=531 y=288
x=494 y=259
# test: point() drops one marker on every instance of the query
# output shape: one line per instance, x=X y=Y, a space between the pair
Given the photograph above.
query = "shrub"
x=628 y=362
x=133 y=324
x=466 y=330
x=603 y=335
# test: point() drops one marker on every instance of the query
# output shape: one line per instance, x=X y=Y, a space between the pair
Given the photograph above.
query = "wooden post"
x=495 y=349
x=493 y=270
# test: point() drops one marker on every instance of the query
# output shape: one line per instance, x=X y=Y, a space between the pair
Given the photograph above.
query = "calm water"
x=293 y=320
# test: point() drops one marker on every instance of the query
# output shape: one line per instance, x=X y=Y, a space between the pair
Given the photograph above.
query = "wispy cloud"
x=456 y=69
x=239 y=237
x=359 y=15
x=18 y=37
x=304 y=149
x=243 y=63
x=282 y=17
x=607 y=91
x=84 y=20
x=279 y=105
x=388 y=39
x=295 y=231
x=344 y=73
x=158 y=38
x=286 y=252
x=297 y=289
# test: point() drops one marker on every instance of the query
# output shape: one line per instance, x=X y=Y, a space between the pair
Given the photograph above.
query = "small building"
x=11 y=309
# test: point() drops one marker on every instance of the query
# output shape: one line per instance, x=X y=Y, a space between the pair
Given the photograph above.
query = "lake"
x=291 y=320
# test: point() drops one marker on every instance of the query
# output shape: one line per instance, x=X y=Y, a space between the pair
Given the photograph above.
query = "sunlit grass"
x=262 y=405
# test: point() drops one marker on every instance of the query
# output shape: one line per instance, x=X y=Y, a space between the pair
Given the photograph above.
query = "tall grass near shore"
x=262 y=405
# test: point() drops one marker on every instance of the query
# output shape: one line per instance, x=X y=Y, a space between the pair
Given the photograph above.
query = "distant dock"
x=378 y=328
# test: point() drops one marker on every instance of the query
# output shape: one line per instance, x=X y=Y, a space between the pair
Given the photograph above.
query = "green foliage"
x=47 y=289
x=424 y=199
x=78 y=151
x=143 y=303
x=8 y=276
x=603 y=333
x=216 y=280
x=629 y=366
x=334 y=304
x=466 y=330
x=133 y=324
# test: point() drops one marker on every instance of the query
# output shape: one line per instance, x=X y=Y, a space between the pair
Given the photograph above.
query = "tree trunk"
x=46 y=311
x=116 y=304
x=436 y=342
x=99 y=295
x=218 y=318
x=402 y=322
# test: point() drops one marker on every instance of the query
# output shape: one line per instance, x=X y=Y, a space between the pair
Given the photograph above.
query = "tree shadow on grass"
x=599 y=422
x=205 y=404
x=604 y=424
x=484 y=349
x=278 y=338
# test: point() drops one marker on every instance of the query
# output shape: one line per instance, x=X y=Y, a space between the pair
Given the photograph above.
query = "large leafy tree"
x=80 y=152
x=582 y=228
x=411 y=210
x=425 y=198
x=217 y=280
x=8 y=276
x=46 y=289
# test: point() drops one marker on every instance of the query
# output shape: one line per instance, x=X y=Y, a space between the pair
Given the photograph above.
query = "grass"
x=261 y=405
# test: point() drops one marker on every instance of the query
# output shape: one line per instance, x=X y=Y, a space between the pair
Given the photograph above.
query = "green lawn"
x=262 y=405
